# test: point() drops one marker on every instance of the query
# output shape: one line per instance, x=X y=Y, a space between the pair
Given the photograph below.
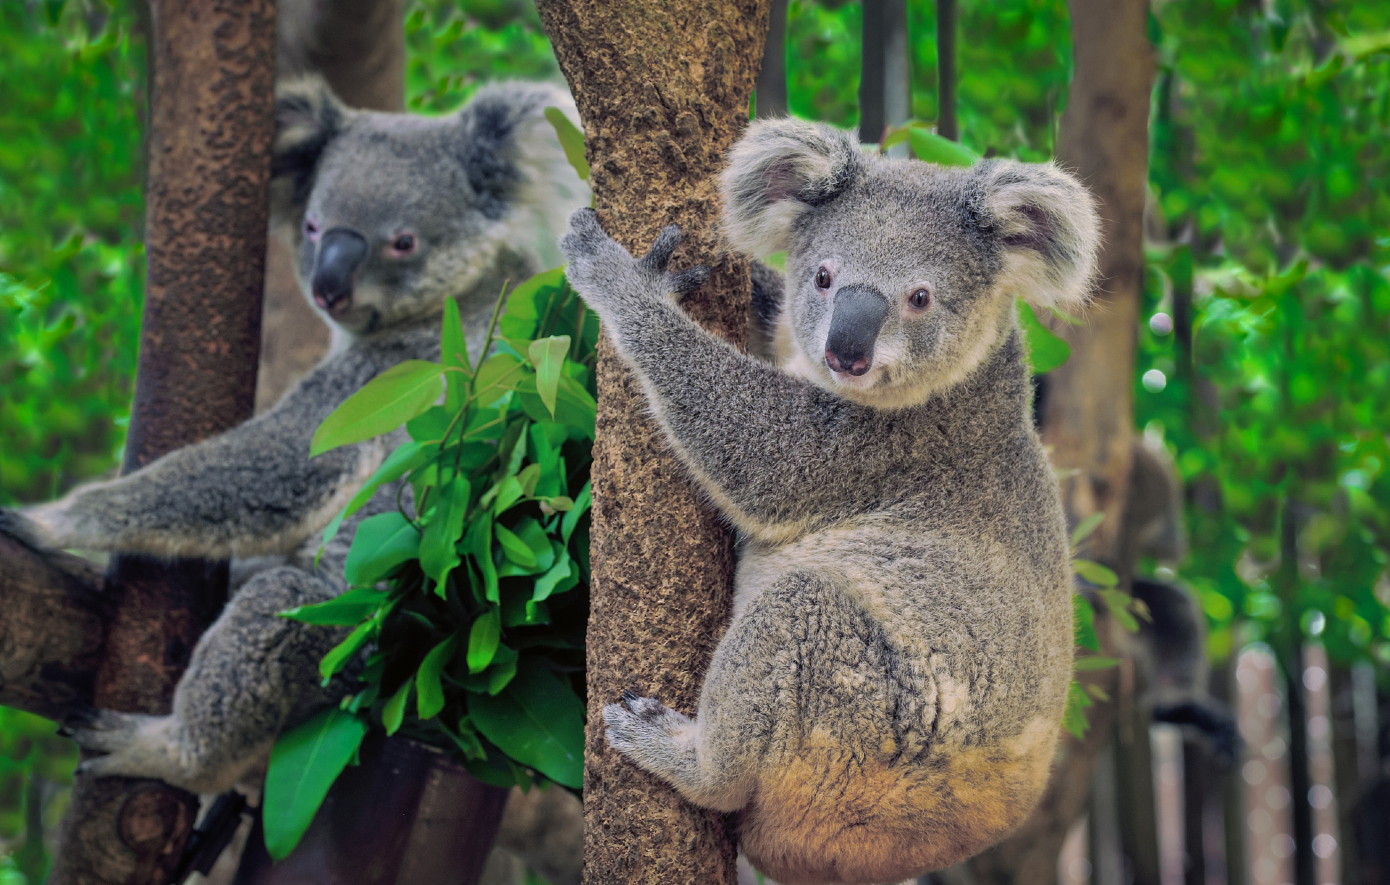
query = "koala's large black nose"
x=341 y=251
x=854 y=326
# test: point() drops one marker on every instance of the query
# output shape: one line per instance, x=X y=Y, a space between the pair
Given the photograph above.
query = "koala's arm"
x=759 y=440
x=253 y=490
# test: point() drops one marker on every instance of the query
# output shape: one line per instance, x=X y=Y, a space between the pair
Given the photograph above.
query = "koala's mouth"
x=337 y=308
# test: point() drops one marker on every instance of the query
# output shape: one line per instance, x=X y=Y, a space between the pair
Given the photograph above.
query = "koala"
x=1170 y=646
x=391 y=214
x=888 y=696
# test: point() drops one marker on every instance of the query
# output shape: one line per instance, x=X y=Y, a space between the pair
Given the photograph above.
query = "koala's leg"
x=250 y=675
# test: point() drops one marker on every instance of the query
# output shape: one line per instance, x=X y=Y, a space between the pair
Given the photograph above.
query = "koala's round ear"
x=778 y=171
x=1048 y=228
x=307 y=117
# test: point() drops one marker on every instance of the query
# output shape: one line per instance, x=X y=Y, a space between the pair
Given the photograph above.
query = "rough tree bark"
x=209 y=166
x=663 y=91
x=1088 y=414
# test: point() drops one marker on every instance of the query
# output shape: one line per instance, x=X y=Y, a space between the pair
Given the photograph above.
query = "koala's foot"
x=136 y=745
x=642 y=728
x=609 y=278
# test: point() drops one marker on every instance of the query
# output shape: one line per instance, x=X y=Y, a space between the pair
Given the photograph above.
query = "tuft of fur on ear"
x=515 y=163
x=307 y=117
x=1048 y=227
x=778 y=171
x=500 y=124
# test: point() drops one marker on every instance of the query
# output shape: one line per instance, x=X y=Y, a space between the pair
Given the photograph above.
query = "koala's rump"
x=913 y=699
x=827 y=818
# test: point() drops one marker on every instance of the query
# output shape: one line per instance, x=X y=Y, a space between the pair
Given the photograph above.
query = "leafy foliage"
x=71 y=265
x=480 y=617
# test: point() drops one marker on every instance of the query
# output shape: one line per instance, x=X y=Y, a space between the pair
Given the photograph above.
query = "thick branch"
x=52 y=623
x=663 y=92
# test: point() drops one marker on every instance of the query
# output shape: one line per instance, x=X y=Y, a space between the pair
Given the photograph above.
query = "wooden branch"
x=663 y=91
x=53 y=618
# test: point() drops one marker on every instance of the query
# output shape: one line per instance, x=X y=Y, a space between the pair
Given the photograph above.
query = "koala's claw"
x=663 y=247
x=629 y=695
x=683 y=282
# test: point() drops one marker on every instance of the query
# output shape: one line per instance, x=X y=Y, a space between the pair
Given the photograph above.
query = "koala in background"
x=391 y=215
x=1170 y=646
x=889 y=693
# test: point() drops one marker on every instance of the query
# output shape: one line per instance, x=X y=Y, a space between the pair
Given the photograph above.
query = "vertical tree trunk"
x=663 y=92
x=885 y=85
x=359 y=48
x=1089 y=412
x=770 y=93
x=209 y=166
x=946 y=32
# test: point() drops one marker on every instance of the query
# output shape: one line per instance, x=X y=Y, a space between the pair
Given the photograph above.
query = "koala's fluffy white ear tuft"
x=776 y=172
x=1049 y=228
x=307 y=117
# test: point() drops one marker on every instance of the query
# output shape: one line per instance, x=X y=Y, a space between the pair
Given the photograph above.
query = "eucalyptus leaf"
x=345 y=610
x=453 y=356
x=933 y=148
x=571 y=141
x=536 y=720
x=393 y=713
x=382 y=543
x=403 y=459
x=1045 y=350
x=483 y=638
x=429 y=690
x=437 y=554
x=383 y=404
x=547 y=357
x=304 y=763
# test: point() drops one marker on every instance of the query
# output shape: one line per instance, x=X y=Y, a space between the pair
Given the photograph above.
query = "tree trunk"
x=209 y=169
x=1088 y=415
x=663 y=92
x=359 y=48
x=885 y=84
x=770 y=94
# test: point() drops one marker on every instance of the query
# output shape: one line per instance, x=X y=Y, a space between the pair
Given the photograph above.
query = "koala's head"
x=901 y=275
x=392 y=213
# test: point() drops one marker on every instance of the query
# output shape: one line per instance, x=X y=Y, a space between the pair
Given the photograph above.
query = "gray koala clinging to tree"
x=391 y=215
x=888 y=696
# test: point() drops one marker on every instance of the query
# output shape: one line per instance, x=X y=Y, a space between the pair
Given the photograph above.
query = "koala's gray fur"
x=888 y=696
x=482 y=192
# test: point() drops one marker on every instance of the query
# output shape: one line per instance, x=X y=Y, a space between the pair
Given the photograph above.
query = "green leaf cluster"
x=470 y=608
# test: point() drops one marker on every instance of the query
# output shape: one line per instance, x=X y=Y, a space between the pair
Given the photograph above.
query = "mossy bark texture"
x=212 y=71
x=663 y=92
x=1088 y=415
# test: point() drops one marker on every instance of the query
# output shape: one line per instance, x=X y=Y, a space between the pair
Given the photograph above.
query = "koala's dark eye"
x=311 y=229
x=823 y=278
x=919 y=299
x=403 y=244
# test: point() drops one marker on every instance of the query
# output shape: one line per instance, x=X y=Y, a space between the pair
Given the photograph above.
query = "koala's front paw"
x=610 y=279
x=645 y=730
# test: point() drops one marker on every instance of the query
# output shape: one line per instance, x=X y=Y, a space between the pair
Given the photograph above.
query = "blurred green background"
x=1269 y=232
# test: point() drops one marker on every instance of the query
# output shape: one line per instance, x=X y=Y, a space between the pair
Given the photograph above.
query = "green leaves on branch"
x=467 y=602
